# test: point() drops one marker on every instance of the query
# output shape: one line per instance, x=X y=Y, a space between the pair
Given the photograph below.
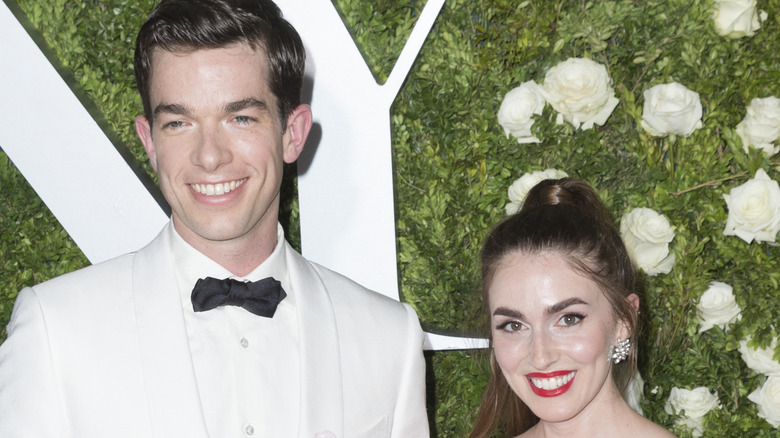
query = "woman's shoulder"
x=648 y=429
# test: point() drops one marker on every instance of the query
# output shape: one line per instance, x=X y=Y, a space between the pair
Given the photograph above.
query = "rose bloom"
x=761 y=126
x=517 y=109
x=520 y=188
x=760 y=360
x=581 y=91
x=646 y=235
x=767 y=400
x=695 y=402
x=671 y=109
x=754 y=209
x=736 y=18
x=717 y=306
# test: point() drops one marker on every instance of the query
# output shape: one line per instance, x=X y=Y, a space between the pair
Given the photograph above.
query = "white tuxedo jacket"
x=103 y=352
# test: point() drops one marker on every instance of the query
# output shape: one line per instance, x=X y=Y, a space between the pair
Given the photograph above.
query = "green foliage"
x=380 y=31
x=93 y=42
x=453 y=166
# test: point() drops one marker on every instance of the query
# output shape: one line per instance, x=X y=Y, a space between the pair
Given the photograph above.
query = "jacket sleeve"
x=410 y=418
x=29 y=401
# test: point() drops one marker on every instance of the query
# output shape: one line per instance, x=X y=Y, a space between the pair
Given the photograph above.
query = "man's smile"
x=218 y=188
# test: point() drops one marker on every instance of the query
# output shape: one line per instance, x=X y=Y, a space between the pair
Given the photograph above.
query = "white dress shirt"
x=245 y=364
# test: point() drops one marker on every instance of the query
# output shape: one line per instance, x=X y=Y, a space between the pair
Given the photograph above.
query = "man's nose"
x=213 y=149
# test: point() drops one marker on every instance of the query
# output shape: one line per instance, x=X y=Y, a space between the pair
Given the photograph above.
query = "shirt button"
x=244 y=343
x=250 y=430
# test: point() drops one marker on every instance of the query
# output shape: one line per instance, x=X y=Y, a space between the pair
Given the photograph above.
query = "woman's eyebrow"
x=505 y=311
x=555 y=308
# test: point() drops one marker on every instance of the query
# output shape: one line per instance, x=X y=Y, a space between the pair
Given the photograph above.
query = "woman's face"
x=553 y=331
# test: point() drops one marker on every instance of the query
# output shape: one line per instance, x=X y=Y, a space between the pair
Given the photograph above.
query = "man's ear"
x=144 y=131
x=298 y=127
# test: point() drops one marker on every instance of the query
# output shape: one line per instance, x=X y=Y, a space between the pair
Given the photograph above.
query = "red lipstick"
x=551 y=392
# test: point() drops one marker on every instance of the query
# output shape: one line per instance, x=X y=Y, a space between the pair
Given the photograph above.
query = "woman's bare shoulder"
x=648 y=429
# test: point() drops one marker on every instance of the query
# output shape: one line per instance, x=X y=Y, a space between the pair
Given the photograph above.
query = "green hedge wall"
x=453 y=166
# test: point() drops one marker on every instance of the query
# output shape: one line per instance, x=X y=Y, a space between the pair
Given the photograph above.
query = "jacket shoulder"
x=345 y=291
x=94 y=277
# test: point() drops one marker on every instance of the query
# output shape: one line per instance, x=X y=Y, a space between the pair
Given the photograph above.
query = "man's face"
x=217 y=144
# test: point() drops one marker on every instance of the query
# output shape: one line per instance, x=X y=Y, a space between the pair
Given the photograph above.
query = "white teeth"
x=217 y=189
x=553 y=382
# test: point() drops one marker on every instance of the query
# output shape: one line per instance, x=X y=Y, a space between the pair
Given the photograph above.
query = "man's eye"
x=175 y=124
x=243 y=120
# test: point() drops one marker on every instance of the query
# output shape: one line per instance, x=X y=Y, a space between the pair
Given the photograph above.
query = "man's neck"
x=241 y=255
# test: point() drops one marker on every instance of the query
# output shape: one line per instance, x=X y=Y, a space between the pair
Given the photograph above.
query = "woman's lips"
x=551 y=384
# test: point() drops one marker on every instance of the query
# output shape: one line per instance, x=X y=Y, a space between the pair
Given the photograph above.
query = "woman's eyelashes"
x=566 y=320
x=571 y=319
x=510 y=326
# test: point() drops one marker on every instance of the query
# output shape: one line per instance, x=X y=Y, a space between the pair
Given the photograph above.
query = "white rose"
x=646 y=235
x=761 y=126
x=696 y=403
x=760 y=360
x=581 y=91
x=520 y=188
x=517 y=109
x=754 y=209
x=671 y=109
x=767 y=400
x=736 y=18
x=717 y=306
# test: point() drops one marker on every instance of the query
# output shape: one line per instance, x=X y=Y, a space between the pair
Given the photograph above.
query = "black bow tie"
x=260 y=297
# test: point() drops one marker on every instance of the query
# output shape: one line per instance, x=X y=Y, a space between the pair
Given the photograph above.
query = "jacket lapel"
x=322 y=401
x=172 y=392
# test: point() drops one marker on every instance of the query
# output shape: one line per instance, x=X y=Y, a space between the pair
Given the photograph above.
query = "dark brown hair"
x=183 y=26
x=567 y=217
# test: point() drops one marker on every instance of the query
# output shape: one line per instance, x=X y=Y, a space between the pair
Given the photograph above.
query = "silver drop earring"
x=621 y=350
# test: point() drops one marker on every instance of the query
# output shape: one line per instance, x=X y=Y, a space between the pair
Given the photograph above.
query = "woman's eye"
x=571 y=319
x=511 y=326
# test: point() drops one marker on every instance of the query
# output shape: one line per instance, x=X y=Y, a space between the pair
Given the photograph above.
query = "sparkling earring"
x=621 y=350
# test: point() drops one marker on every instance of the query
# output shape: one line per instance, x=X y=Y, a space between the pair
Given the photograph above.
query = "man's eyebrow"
x=170 y=108
x=241 y=105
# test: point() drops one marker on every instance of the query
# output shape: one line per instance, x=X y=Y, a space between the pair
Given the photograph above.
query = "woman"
x=559 y=288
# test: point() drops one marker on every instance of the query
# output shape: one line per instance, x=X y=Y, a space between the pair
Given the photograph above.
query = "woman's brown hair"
x=567 y=217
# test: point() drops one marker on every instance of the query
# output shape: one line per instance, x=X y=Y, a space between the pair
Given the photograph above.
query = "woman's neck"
x=606 y=416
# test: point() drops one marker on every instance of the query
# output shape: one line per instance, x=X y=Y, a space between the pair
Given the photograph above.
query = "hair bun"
x=571 y=193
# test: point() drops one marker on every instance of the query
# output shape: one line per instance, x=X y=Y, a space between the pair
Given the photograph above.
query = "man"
x=127 y=348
